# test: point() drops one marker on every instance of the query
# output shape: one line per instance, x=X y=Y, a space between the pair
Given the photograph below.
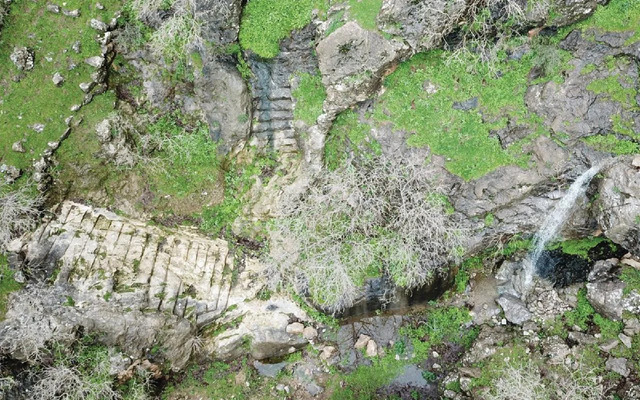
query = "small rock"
x=295 y=328
x=54 y=8
x=282 y=388
x=610 y=345
x=53 y=145
x=327 y=352
x=19 y=277
x=618 y=365
x=85 y=86
x=372 y=348
x=18 y=147
x=636 y=161
x=269 y=370
x=77 y=46
x=240 y=378
x=631 y=262
x=98 y=25
x=466 y=105
x=37 y=127
x=99 y=6
x=57 y=79
x=582 y=338
x=75 y=107
x=436 y=366
x=309 y=333
x=10 y=172
x=362 y=341
x=435 y=354
x=23 y=58
x=515 y=311
x=95 y=61
x=626 y=340
x=631 y=327
x=71 y=13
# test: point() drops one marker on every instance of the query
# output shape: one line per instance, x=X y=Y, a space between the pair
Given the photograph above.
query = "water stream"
x=554 y=222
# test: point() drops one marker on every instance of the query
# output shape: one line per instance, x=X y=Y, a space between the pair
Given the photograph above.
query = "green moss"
x=266 y=22
x=617 y=89
x=7 y=285
x=612 y=144
x=631 y=277
x=489 y=219
x=579 y=247
x=34 y=98
x=365 y=12
x=309 y=95
x=463 y=137
x=617 y=16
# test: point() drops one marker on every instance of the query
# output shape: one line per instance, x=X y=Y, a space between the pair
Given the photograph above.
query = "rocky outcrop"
x=618 y=206
x=220 y=20
x=609 y=299
x=138 y=286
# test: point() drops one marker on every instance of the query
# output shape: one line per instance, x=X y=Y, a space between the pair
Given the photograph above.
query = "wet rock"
x=515 y=311
x=95 y=61
x=269 y=370
x=618 y=365
x=18 y=147
x=601 y=270
x=57 y=79
x=23 y=58
x=220 y=20
x=608 y=299
x=295 y=329
x=618 y=205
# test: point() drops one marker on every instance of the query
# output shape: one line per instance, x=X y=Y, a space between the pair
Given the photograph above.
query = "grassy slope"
x=35 y=99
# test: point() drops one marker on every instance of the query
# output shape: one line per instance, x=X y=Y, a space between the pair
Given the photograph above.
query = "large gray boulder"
x=609 y=299
x=352 y=61
x=618 y=206
x=225 y=101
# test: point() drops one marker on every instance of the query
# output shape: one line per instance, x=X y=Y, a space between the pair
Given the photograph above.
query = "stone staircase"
x=138 y=266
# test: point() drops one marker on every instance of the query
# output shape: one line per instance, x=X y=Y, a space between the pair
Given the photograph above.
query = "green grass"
x=363 y=383
x=35 y=99
x=584 y=315
x=443 y=325
x=7 y=285
x=348 y=134
x=462 y=137
x=612 y=144
x=617 y=16
x=365 y=12
x=266 y=22
x=579 y=247
x=621 y=91
x=631 y=277
x=309 y=95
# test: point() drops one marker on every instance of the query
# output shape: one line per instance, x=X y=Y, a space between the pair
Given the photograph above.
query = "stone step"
x=266 y=116
x=271 y=126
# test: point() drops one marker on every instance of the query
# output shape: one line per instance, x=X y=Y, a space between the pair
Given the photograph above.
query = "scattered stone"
x=626 y=340
x=53 y=145
x=362 y=341
x=436 y=366
x=327 y=352
x=582 y=338
x=95 y=61
x=75 y=107
x=98 y=25
x=466 y=105
x=54 y=8
x=372 y=348
x=631 y=327
x=309 y=333
x=85 y=86
x=77 y=46
x=617 y=365
x=282 y=388
x=515 y=311
x=636 y=161
x=99 y=6
x=72 y=66
x=37 y=127
x=19 y=277
x=18 y=147
x=57 y=79
x=295 y=328
x=631 y=262
x=71 y=13
x=10 y=172
x=23 y=58
x=601 y=269
x=610 y=345
x=270 y=370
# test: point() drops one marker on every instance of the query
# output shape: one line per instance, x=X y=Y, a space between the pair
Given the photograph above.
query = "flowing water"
x=554 y=222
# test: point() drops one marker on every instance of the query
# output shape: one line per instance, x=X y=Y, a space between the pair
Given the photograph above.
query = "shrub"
x=18 y=211
x=375 y=217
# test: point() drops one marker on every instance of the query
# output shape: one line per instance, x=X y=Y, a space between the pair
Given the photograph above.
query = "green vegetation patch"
x=363 y=383
x=617 y=88
x=612 y=144
x=266 y=22
x=34 y=99
x=365 y=12
x=584 y=315
x=348 y=135
x=7 y=285
x=309 y=95
x=443 y=325
x=580 y=247
x=631 y=277
x=424 y=96
x=617 y=16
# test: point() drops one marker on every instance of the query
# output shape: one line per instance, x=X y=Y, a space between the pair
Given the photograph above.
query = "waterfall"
x=554 y=221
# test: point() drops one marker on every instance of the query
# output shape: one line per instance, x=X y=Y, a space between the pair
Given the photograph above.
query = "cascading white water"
x=554 y=222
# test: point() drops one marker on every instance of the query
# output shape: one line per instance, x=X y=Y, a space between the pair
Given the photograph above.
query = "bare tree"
x=19 y=210
x=378 y=214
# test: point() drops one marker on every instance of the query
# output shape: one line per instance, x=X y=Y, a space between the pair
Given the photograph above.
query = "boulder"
x=618 y=206
x=515 y=311
x=608 y=299
x=57 y=79
x=23 y=58
x=618 y=365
